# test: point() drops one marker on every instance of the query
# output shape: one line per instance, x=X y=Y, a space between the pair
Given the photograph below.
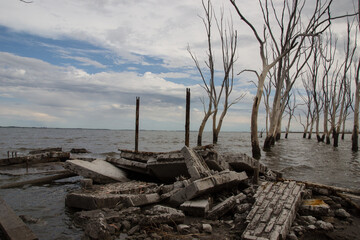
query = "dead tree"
x=328 y=52
x=313 y=84
x=291 y=106
x=349 y=54
x=355 y=133
x=308 y=102
x=292 y=35
x=228 y=39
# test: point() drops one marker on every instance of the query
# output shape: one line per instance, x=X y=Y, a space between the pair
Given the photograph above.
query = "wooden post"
x=187 y=121
x=137 y=124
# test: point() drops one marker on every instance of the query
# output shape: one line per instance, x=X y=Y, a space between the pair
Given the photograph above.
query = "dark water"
x=296 y=157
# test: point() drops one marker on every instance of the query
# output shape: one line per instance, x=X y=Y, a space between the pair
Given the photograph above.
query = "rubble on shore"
x=195 y=193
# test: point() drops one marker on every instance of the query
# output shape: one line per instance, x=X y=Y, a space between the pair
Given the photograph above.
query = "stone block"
x=207 y=185
x=195 y=164
x=135 y=200
x=197 y=208
x=222 y=208
x=314 y=207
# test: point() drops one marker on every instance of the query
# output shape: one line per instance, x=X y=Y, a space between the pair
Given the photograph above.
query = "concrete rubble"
x=196 y=193
x=99 y=170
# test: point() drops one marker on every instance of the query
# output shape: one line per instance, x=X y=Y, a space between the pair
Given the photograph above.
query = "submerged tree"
x=293 y=32
x=216 y=96
x=355 y=133
x=291 y=106
x=344 y=84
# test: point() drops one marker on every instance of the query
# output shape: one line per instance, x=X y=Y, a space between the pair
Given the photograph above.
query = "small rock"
x=341 y=213
x=155 y=236
x=126 y=225
x=133 y=230
x=183 y=228
x=28 y=219
x=86 y=183
x=323 y=191
x=299 y=230
x=311 y=227
x=325 y=225
x=309 y=219
x=243 y=207
x=166 y=228
x=207 y=228
x=291 y=236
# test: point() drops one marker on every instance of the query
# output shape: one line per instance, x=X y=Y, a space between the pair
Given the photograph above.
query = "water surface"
x=297 y=158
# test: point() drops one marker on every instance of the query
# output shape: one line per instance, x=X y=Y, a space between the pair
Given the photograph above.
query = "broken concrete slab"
x=168 y=171
x=162 y=215
x=138 y=167
x=222 y=208
x=243 y=162
x=196 y=208
x=207 y=185
x=195 y=164
x=108 y=196
x=135 y=200
x=12 y=226
x=99 y=171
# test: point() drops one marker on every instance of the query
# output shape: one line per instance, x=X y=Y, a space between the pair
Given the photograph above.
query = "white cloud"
x=130 y=30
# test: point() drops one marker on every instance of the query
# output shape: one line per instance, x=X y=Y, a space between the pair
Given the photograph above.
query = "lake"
x=296 y=158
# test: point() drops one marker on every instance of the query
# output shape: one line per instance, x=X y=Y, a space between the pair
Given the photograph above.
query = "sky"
x=81 y=64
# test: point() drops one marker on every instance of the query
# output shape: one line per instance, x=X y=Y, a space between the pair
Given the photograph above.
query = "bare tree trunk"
x=343 y=129
x=202 y=125
x=355 y=133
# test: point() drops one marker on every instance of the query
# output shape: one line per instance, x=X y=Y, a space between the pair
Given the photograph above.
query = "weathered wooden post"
x=137 y=124
x=187 y=121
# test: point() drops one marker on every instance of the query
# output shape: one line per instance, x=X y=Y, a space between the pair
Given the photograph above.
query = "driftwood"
x=348 y=199
x=331 y=188
x=43 y=180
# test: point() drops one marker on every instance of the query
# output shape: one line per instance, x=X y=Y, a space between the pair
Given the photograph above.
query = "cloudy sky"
x=81 y=64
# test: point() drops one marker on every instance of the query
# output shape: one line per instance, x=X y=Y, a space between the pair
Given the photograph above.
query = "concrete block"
x=314 y=207
x=99 y=171
x=12 y=226
x=135 y=200
x=195 y=164
x=207 y=185
x=222 y=208
x=197 y=208
x=133 y=166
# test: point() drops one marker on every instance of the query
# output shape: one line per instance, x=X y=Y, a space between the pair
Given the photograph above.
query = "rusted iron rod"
x=187 y=121
x=137 y=124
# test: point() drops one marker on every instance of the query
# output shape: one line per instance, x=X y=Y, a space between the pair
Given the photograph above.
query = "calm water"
x=296 y=157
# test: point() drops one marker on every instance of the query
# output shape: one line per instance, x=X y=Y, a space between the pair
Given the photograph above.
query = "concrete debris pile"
x=179 y=186
x=194 y=193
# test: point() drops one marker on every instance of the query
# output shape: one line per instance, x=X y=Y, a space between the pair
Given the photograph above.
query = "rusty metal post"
x=137 y=124
x=187 y=121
